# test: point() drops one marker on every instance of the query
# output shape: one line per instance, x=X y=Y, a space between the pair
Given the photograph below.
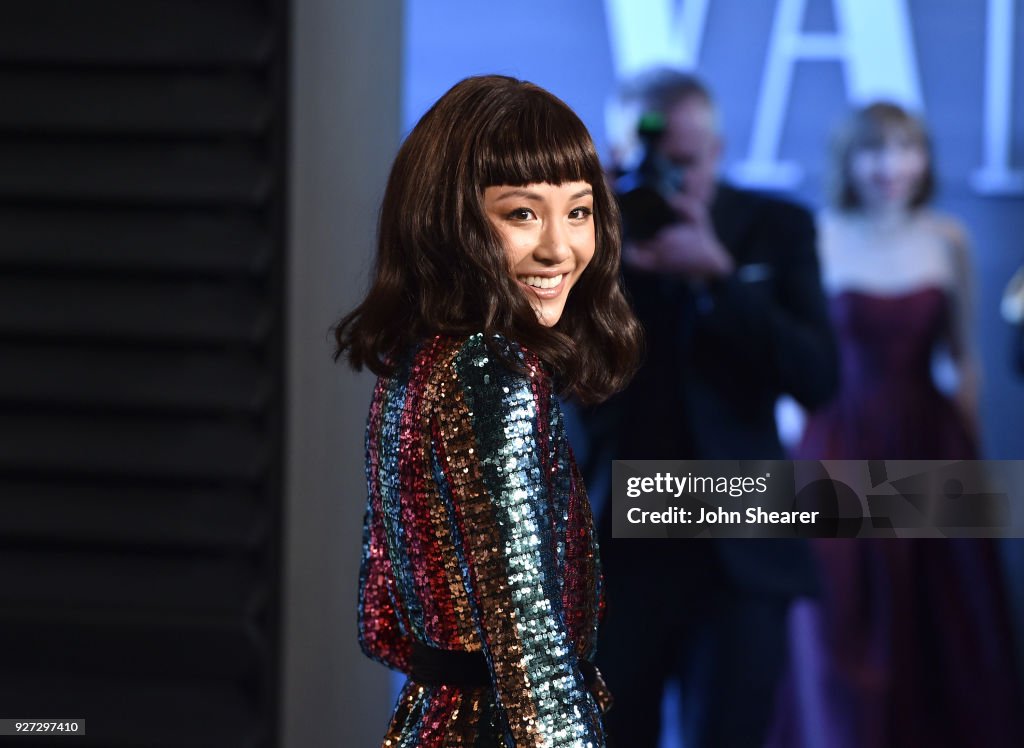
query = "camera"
x=643 y=191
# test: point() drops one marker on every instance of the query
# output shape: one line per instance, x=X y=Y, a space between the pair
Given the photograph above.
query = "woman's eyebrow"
x=519 y=193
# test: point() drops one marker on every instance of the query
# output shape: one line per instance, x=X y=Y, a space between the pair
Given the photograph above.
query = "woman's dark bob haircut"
x=868 y=128
x=441 y=267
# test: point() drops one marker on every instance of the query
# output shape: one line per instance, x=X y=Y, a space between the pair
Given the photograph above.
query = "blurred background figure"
x=1013 y=312
x=904 y=624
x=899 y=277
x=726 y=284
x=1012 y=549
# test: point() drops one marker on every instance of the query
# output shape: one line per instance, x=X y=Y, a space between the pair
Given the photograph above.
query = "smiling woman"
x=496 y=283
x=443 y=250
x=548 y=232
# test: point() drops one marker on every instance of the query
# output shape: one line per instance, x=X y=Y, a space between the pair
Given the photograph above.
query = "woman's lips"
x=543 y=293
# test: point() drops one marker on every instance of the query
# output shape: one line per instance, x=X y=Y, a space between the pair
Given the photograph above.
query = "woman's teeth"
x=538 y=282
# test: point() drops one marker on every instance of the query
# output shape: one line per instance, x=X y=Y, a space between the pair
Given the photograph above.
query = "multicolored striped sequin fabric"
x=478 y=536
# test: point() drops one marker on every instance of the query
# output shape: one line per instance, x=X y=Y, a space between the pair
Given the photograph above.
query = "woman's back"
x=479 y=538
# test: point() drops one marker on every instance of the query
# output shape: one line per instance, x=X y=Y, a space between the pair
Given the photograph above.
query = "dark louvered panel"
x=132 y=712
x=140 y=33
x=172 y=173
x=135 y=310
x=141 y=366
x=172 y=646
x=137 y=241
x=173 y=584
x=126 y=516
x=176 y=103
x=194 y=449
x=53 y=377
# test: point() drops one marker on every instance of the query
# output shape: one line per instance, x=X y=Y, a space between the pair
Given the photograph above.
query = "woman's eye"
x=521 y=214
x=580 y=214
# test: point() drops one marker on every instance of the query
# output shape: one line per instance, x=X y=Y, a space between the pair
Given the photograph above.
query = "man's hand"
x=688 y=248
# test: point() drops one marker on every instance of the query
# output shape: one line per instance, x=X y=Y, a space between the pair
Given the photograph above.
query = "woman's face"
x=548 y=231
x=889 y=174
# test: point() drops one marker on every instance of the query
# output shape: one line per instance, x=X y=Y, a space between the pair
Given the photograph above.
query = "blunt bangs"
x=539 y=139
x=878 y=122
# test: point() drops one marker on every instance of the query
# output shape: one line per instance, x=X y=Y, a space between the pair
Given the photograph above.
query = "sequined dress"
x=478 y=537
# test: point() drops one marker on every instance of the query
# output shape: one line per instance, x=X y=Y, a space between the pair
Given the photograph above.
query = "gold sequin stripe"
x=449 y=625
x=432 y=546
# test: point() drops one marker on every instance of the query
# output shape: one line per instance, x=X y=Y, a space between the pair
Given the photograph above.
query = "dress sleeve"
x=489 y=433
x=381 y=635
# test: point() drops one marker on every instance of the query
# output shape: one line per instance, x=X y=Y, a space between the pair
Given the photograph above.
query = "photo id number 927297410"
x=10 y=727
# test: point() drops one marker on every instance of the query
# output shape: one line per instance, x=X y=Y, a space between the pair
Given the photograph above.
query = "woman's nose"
x=554 y=243
x=890 y=160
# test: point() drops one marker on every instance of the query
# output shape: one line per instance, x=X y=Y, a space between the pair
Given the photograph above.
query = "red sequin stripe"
x=540 y=386
x=434 y=729
x=379 y=630
x=424 y=518
x=463 y=634
x=581 y=568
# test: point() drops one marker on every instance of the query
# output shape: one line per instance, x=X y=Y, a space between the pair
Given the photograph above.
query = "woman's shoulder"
x=487 y=359
x=950 y=228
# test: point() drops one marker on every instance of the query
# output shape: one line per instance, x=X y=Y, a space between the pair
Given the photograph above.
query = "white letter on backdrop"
x=646 y=33
x=874 y=45
x=995 y=177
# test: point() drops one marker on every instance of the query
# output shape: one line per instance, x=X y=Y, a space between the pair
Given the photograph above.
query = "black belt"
x=445 y=667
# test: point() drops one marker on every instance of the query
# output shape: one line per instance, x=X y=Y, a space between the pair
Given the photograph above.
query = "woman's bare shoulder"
x=949 y=227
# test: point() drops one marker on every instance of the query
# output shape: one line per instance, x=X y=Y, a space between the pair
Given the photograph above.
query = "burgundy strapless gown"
x=888 y=407
x=911 y=638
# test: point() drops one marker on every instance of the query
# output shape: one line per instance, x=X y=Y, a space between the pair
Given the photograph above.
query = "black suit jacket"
x=717 y=358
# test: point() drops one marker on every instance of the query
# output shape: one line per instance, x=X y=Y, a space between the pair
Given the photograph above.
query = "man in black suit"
x=734 y=314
